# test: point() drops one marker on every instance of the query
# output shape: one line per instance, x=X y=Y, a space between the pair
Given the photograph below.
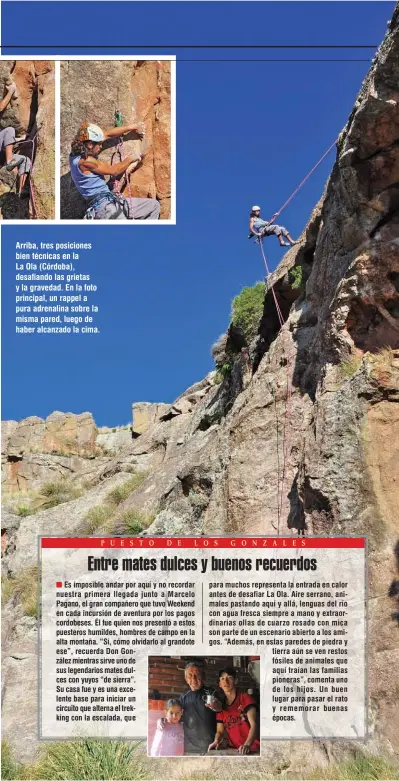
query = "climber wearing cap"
x=7 y=142
x=260 y=228
x=88 y=174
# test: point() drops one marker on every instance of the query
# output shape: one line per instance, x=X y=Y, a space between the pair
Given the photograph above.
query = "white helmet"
x=95 y=134
x=256 y=208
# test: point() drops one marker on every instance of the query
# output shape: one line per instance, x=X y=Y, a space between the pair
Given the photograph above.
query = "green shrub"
x=9 y=769
x=23 y=510
x=88 y=759
x=247 y=309
x=296 y=276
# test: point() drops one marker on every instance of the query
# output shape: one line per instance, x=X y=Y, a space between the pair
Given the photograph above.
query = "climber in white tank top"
x=88 y=174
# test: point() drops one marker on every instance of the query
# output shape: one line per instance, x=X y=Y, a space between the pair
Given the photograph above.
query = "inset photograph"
x=27 y=140
x=203 y=706
x=116 y=140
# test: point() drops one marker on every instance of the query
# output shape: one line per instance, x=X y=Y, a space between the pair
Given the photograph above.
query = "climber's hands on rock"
x=135 y=159
x=138 y=127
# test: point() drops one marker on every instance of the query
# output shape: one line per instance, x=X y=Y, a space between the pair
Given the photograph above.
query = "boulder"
x=27 y=437
x=7 y=429
x=145 y=414
x=114 y=441
x=73 y=434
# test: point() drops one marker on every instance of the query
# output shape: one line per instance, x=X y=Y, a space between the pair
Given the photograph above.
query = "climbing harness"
x=119 y=200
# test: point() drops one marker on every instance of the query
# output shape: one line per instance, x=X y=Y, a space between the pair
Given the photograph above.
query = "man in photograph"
x=200 y=707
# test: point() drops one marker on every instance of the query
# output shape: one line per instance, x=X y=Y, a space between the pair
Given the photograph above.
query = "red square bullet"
x=58 y=584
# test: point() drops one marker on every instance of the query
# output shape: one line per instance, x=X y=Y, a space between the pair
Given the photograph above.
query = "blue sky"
x=246 y=133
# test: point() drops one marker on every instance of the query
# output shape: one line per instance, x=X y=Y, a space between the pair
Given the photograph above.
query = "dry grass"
x=88 y=759
x=360 y=768
x=121 y=492
x=133 y=521
x=95 y=519
x=106 y=515
x=382 y=364
x=349 y=368
x=23 y=589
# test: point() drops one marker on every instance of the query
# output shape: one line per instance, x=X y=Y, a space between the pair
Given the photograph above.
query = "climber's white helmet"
x=95 y=134
x=256 y=208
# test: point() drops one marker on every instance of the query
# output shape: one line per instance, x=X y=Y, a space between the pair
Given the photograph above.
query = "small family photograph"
x=27 y=140
x=203 y=706
x=116 y=139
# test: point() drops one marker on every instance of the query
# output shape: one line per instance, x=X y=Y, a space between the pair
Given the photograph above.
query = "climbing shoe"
x=12 y=164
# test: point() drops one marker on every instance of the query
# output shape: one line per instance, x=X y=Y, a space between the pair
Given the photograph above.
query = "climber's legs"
x=144 y=208
x=135 y=209
x=280 y=231
x=7 y=141
x=24 y=165
x=290 y=239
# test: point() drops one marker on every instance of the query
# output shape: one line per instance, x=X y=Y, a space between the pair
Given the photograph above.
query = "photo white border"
x=57 y=125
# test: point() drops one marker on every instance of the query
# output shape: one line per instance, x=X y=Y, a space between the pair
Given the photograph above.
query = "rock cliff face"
x=92 y=92
x=308 y=440
x=31 y=113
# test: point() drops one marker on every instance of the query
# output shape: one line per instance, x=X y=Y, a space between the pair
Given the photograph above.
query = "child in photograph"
x=169 y=736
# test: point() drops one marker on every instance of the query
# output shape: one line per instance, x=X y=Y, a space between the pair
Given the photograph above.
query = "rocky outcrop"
x=145 y=414
x=59 y=432
x=305 y=442
x=36 y=451
x=32 y=114
x=141 y=90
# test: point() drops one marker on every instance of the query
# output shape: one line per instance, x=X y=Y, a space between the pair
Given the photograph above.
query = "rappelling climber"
x=88 y=174
x=8 y=140
x=261 y=228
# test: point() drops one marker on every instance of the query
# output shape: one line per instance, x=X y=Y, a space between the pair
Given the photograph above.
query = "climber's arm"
x=114 y=132
x=92 y=165
x=7 y=97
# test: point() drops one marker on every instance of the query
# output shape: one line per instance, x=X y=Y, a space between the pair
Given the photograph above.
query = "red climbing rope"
x=281 y=483
x=25 y=142
x=117 y=185
x=305 y=179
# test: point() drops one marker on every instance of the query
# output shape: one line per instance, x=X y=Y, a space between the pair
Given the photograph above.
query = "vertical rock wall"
x=92 y=91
